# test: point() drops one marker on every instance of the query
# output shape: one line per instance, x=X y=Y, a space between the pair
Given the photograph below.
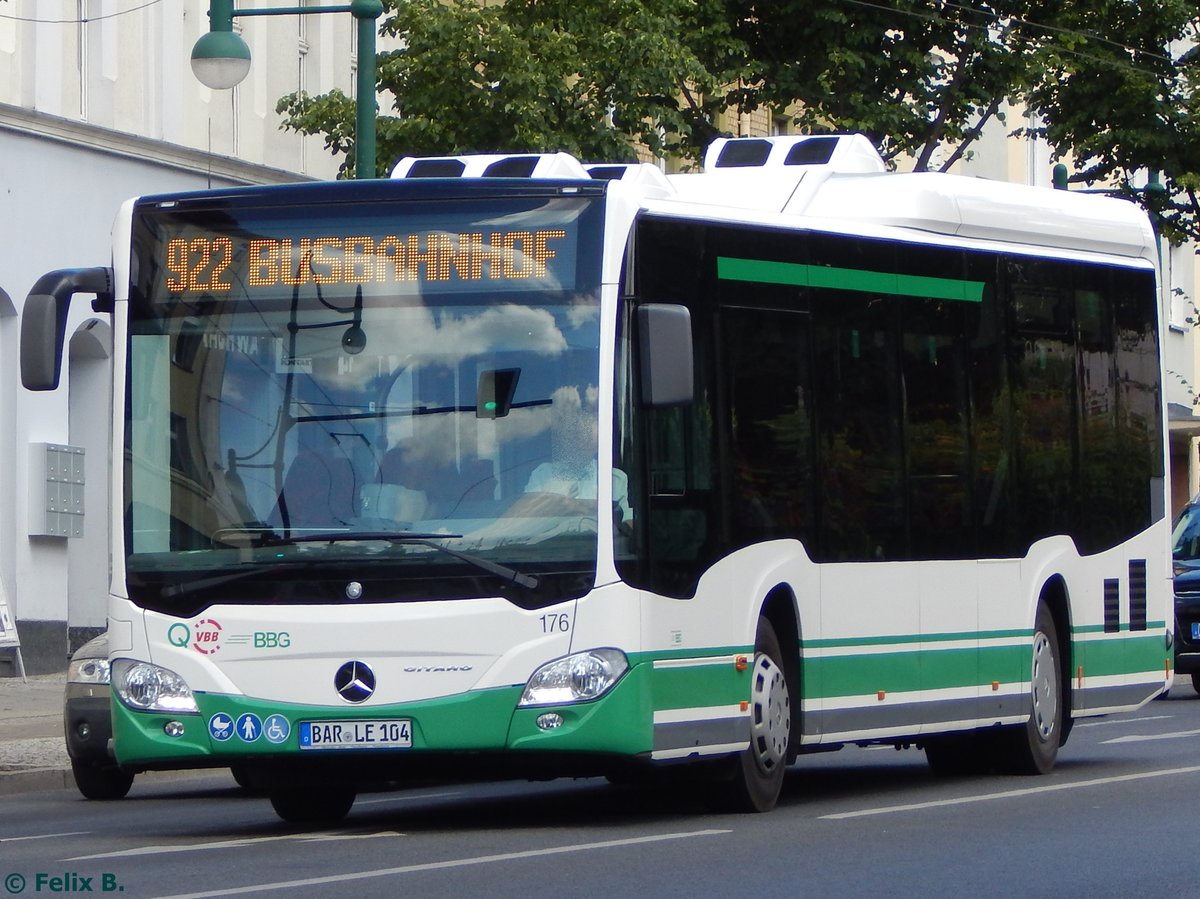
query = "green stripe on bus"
x=698 y=687
x=764 y=271
x=1152 y=630
x=1125 y=655
x=915 y=670
x=910 y=672
x=913 y=639
x=1125 y=628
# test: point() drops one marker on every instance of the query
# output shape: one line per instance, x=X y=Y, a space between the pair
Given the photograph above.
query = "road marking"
x=334 y=837
x=407 y=798
x=341 y=879
x=233 y=844
x=1010 y=794
x=1142 y=738
x=45 y=836
x=1123 y=721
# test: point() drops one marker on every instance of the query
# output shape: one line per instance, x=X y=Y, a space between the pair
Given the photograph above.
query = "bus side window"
x=681 y=496
x=668 y=452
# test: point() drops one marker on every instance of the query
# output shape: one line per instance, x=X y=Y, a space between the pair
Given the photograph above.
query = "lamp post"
x=221 y=59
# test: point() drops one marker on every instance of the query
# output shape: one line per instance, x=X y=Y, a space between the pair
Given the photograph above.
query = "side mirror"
x=44 y=320
x=664 y=345
x=494 y=397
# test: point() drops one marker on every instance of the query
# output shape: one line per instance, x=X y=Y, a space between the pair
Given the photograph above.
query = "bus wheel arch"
x=752 y=780
x=780 y=608
x=1032 y=747
x=1054 y=596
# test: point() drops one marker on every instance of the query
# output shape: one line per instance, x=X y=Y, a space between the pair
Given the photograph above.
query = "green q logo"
x=179 y=635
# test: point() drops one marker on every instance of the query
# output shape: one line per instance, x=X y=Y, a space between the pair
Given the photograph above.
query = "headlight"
x=88 y=671
x=150 y=688
x=576 y=678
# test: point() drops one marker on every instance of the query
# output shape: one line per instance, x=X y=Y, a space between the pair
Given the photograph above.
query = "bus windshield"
x=374 y=402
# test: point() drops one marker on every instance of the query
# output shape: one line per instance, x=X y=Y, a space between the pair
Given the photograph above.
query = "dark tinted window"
x=934 y=378
x=814 y=151
x=860 y=466
x=887 y=401
x=742 y=153
x=1139 y=409
x=769 y=491
x=1042 y=368
x=437 y=168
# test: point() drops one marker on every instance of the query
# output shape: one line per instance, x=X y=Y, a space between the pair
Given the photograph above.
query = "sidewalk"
x=33 y=753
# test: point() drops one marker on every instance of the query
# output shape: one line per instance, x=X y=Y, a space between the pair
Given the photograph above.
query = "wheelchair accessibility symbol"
x=276 y=729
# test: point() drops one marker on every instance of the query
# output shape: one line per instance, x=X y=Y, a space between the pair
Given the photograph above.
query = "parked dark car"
x=1185 y=554
x=87 y=722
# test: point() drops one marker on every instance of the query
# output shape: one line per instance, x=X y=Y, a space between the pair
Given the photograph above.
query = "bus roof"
x=827 y=179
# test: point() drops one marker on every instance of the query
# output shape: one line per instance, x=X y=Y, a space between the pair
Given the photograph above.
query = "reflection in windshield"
x=310 y=415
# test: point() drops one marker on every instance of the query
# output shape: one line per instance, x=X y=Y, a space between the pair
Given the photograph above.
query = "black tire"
x=1196 y=682
x=99 y=781
x=313 y=805
x=247 y=778
x=757 y=773
x=1032 y=748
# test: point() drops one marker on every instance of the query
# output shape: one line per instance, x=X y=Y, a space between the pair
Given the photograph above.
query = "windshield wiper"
x=217 y=580
x=271 y=538
x=528 y=581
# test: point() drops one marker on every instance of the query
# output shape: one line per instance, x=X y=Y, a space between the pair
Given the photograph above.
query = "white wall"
x=127 y=68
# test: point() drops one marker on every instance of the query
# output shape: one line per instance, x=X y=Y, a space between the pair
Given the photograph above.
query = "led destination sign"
x=220 y=263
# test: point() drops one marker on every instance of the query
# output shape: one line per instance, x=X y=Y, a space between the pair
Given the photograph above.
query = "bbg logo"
x=272 y=639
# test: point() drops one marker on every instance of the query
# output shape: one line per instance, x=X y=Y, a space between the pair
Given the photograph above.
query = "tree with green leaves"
x=594 y=80
x=921 y=78
x=1110 y=81
x=1121 y=96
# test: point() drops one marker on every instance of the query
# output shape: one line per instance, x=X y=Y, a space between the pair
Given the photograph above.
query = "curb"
x=35 y=780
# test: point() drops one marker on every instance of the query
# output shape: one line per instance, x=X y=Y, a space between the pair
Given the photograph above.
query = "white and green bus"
x=512 y=466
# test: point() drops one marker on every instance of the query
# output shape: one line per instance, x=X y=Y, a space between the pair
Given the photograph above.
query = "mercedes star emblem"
x=354 y=682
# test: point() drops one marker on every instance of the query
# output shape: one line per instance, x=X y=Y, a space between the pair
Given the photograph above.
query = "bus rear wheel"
x=313 y=805
x=1032 y=748
x=757 y=772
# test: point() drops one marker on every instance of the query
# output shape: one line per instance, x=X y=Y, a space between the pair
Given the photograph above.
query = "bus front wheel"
x=313 y=805
x=758 y=771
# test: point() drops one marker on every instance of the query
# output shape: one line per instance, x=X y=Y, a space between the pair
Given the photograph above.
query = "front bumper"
x=87 y=723
x=486 y=727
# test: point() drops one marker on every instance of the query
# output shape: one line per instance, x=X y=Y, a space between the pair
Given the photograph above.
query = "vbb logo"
x=206 y=636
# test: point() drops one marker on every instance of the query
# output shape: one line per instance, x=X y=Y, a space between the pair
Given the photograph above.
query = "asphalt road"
x=861 y=822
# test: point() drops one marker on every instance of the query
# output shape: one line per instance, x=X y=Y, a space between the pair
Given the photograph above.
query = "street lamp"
x=221 y=59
